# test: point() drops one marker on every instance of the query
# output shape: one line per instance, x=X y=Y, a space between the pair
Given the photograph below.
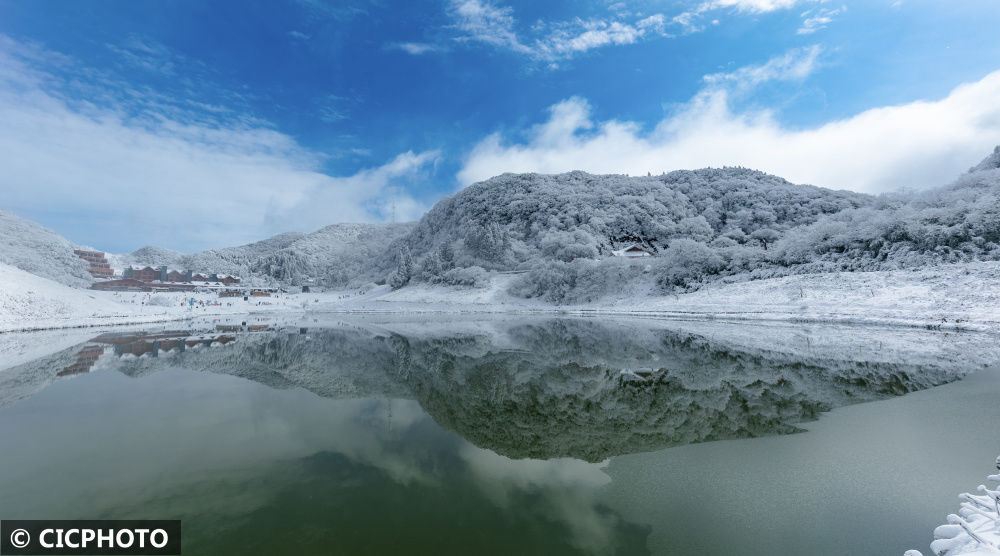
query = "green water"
x=505 y=437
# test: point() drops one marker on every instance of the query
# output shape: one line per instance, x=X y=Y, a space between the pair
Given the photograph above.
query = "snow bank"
x=975 y=530
x=953 y=296
x=962 y=296
x=30 y=302
x=38 y=250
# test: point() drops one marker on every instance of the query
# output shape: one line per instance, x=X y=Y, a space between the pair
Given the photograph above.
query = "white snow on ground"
x=965 y=295
x=30 y=302
x=955 y=296
x=975 y=530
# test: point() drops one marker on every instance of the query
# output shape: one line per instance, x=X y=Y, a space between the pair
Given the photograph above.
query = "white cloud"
x=334 y=108
x=481 y=21
x=749 y=6
x=162 y=178
x=331 y=115
x=587 y=35
x=146 y=53
x=795 y=65
x=691 y=20
x=920 y=144
x=415 y=48
x=815 y=20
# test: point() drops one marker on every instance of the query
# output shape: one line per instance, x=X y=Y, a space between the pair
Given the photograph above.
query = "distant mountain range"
x=333 y=256
x=561 y=231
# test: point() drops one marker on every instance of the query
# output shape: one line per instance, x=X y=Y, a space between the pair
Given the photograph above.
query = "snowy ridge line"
x=975 y=530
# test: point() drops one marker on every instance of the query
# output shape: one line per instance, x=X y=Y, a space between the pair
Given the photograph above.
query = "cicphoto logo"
x=96 y=537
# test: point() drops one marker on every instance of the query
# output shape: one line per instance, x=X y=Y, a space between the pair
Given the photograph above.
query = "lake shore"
x=962 y=296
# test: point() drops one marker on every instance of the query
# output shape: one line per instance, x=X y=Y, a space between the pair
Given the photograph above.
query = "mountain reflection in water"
x=540 y=389
x=470 y=437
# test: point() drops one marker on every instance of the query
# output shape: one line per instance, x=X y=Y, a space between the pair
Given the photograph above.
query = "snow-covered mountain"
x=991 y=162
x=337 y=255
x=228 y=260
x=703 y=225
x=579 y=215
x=40 y=251
x=562 y=232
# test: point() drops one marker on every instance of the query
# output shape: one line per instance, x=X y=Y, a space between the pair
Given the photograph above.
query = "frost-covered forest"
x=559 y=233
x=337 y=255
x=702 y=225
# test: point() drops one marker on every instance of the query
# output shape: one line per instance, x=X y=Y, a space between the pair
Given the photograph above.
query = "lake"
x=382 y=435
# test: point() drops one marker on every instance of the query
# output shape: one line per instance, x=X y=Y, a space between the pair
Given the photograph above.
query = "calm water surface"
x=506 y=437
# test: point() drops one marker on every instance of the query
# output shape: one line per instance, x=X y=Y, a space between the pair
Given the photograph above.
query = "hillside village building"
x=634 y=251
x=151 y=279
x=162 y=274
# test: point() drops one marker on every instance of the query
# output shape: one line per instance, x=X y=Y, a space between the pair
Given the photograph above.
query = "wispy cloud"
x=488 y=23
x=581 y=36
x=794 y=65
x=336 y=108
x=749 y=6
x=331 y=115
x=920 y=144
x=340 y=10
x=415 y=48
x=814 y=20
x=696 y=20
x=146 y=53
x=218 y=178
x=479 y=21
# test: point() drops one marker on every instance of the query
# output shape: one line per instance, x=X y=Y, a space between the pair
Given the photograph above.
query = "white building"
x=634 y=251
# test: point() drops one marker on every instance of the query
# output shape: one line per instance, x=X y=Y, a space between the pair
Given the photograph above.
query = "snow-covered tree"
x=446 y=255
x=765 y=236
x=404 y=269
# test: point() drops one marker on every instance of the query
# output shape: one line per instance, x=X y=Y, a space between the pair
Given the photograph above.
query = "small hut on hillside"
x=634 y=251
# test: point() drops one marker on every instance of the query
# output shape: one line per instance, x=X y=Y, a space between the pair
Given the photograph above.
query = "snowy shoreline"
x=957 y=297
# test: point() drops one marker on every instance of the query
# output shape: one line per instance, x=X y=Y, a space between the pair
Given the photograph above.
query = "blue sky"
x=193 y=124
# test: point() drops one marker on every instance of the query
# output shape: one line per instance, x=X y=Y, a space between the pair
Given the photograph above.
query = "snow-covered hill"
x=336 y=255
x=38 y=250
x=146 y=256
x=228 y=260
x=702 y=226
x=559 y=234
x=28 y=301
